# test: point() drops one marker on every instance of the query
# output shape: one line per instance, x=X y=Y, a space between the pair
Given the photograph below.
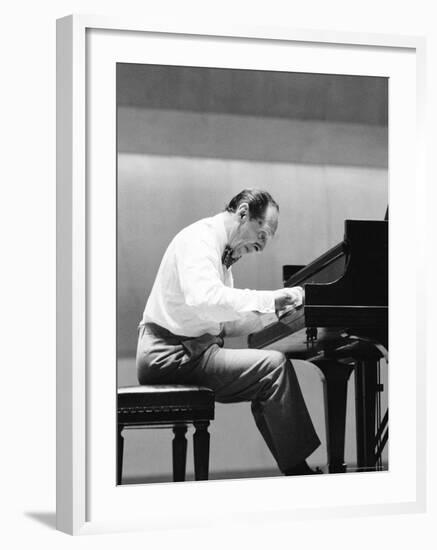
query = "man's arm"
x=249 y=323
x=200 y=277
x=199 y=270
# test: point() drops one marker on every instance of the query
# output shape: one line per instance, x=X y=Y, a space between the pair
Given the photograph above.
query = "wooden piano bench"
x=168 y=406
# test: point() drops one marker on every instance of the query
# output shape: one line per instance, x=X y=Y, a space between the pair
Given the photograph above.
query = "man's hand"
x=288 y=298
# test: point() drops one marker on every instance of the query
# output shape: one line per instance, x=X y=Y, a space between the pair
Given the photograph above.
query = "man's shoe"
x=302 y=469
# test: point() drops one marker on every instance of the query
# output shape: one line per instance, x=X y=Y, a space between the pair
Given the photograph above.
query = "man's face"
x=252 y=235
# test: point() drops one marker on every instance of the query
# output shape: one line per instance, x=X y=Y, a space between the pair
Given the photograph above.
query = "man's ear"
x=243 y=212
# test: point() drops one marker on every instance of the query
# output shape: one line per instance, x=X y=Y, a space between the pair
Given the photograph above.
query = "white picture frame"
x=76 y=364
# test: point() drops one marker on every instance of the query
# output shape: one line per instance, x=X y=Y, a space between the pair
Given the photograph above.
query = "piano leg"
x=365 y=405
x=336 y=375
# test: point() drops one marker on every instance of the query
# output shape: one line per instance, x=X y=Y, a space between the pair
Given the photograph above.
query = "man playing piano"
x=193 y=305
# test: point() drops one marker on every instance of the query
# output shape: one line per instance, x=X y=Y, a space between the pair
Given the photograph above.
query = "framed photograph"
x=169 y=140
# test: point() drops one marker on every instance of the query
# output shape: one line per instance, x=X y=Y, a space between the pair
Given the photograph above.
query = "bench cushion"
x=164 y=403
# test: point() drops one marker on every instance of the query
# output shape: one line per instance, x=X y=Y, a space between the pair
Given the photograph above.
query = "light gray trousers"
x=264 y=377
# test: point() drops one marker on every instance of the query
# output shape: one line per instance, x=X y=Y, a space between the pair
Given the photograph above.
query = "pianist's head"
x=251 y=221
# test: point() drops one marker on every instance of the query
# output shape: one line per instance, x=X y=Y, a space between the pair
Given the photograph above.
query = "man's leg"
x=268 y=380
x=264 y=377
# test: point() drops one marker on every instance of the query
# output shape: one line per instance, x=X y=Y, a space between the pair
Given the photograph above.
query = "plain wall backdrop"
x=27 y=223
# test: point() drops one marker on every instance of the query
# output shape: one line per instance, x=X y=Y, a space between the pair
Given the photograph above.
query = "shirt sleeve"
x=200 y=276
x=248 y=323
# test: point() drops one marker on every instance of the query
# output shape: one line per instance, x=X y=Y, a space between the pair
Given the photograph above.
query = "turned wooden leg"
x=120 y=447
x=336 y=376
x=365 y=399
x=201 y=450
x=179 y=453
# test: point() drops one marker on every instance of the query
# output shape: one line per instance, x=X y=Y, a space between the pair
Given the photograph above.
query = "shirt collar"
x=219 y=225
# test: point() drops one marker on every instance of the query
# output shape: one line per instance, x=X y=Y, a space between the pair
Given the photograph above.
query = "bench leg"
x=179 y=453
x=201 y=450
x=120 y=447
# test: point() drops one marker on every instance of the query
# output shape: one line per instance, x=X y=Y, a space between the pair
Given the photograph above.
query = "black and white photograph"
x=252 y=273
x=219 y=261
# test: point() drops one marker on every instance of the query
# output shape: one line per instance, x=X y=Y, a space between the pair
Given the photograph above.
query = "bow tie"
x=227 y=259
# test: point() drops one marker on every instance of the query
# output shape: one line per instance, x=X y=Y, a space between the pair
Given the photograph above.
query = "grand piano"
x=342 y=328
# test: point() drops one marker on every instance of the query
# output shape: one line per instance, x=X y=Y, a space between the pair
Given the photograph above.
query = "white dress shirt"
x=194 y=294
